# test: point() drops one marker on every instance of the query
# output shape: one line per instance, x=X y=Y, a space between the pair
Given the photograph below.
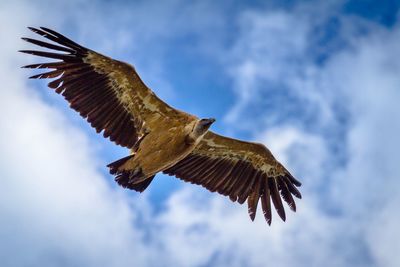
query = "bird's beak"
x=210 y=121
x=207 y=122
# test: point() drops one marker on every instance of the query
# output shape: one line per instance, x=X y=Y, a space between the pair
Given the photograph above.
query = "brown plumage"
x=110 y=95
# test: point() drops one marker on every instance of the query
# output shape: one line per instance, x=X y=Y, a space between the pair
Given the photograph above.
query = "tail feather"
x=128 y=178
x=116 y=164
x=140 y=187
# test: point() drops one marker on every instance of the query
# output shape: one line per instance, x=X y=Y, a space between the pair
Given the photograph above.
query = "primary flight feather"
x=114 y=100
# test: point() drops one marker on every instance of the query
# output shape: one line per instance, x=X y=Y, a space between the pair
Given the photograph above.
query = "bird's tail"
x=129 y=178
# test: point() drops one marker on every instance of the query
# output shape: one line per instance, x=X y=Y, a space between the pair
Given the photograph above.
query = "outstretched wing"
x=107 y=92
x=240 y=170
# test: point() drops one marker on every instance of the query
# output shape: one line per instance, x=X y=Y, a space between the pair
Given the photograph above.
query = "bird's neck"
x=196 y=134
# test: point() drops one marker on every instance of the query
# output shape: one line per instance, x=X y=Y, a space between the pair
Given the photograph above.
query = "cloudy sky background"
x=316 y=81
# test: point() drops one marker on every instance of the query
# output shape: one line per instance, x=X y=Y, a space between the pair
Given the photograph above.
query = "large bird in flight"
x=110 y=95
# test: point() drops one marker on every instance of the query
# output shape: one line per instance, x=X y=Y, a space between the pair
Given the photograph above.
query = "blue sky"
x=316 y=81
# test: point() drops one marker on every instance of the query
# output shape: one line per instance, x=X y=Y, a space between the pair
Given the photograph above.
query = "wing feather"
x=276 y=199
x=48 y=45
x=244 y=182
x=240 y=170
x=108 y=93
x=253 y=200
x=266 y=201
x=285 y=193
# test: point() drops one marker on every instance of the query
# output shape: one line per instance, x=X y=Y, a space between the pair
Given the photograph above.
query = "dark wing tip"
x=293 y=180
x=266 y=199
x=276 y=198
x=285 y=193
x=253 y=199
x=252 y=215
x=45 y=29
x=32 y=28
x=293 y=190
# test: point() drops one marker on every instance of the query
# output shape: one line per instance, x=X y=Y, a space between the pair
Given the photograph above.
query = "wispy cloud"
x=341 y=139
x=56 y=208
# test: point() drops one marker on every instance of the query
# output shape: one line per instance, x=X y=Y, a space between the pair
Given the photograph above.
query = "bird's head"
x=206 y=123
x=203 y=125
x=199 y=130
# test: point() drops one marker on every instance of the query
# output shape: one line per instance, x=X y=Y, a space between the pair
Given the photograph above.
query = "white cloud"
x=368 y=185
x=303 y=151
x=358 y=84
x=56 y=208
x=266 y=56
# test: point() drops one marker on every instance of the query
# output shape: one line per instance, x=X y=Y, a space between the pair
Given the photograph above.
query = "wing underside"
x=242 y=171
x=108 y=93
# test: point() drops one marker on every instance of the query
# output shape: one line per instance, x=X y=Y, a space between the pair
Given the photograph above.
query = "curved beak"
x=208 y=122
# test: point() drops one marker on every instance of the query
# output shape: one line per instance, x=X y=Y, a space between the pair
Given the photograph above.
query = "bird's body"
x=161 y=149
x=114 y=100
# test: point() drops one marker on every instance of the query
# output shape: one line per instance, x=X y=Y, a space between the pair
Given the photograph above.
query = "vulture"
x=111 y=96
